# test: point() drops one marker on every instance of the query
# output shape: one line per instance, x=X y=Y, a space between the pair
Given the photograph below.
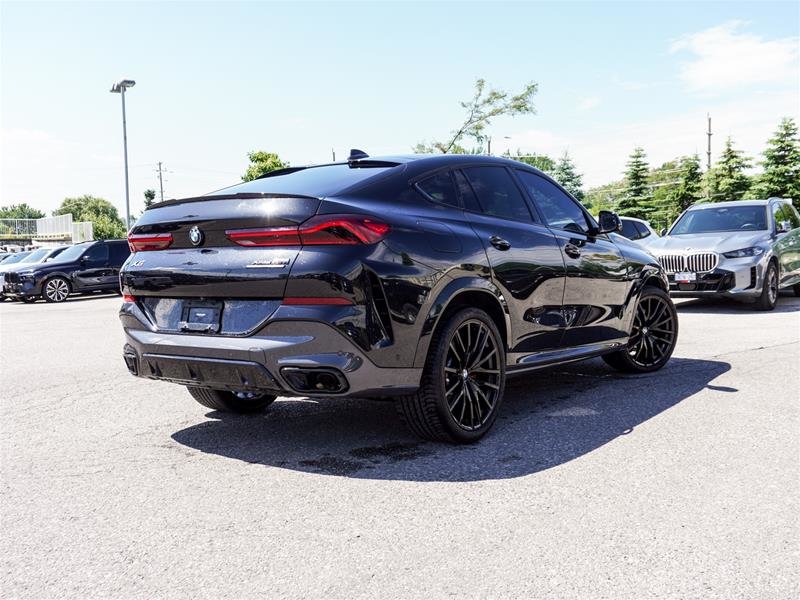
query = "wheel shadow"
x=548 y=418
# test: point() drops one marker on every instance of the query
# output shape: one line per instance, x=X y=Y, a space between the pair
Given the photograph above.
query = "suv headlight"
x=26 y=275
x=741 y=253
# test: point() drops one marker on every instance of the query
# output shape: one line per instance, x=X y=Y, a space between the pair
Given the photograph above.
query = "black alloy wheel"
x=56 y=289
x=462 y=383
x=472 y=375
x=654 y=333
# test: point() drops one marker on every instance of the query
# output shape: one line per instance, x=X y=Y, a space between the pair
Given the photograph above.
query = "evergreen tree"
x=635 y=199
x=541 y=161
x=781 y=177
x=149 y=198
x=728 y=180
x=566 y=174
x=690 y=188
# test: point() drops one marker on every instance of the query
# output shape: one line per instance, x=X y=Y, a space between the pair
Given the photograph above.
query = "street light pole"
x=119 y=88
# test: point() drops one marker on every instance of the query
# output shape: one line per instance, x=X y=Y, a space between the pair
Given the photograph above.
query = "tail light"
x=128 y=298
x=141 y=242
x=317 y=231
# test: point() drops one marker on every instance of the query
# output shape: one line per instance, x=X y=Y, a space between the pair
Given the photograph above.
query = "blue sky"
x=215 y=80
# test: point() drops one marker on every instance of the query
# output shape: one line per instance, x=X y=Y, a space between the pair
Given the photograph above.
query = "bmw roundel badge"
x=195 y=236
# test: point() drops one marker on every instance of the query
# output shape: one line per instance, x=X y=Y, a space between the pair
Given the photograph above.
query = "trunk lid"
x=200 y=256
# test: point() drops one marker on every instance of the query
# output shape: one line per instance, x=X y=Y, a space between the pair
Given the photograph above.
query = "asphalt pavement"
x=680 y=484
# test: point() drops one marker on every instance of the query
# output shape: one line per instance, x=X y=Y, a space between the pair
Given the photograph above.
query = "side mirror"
x=608 y=222
x=663 y=232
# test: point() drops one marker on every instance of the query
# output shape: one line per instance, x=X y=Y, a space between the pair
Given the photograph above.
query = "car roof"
x=730 y=203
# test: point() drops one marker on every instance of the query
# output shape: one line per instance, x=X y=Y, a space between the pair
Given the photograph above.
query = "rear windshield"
x=327 y=180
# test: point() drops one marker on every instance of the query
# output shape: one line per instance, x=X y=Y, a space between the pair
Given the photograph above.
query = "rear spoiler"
x=239 y=196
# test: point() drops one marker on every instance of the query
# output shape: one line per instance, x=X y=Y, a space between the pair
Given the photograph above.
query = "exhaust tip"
x=314 y=380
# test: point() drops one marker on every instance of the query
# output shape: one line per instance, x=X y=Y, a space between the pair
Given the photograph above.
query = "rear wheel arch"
x=457 y=296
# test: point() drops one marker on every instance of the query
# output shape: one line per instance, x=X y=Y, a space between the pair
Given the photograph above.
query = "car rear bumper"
x=275 y=359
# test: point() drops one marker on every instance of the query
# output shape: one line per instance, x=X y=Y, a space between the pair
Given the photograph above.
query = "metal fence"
x=59 y=228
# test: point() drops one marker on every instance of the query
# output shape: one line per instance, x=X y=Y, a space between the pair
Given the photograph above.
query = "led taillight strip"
x=317 y=231
x=141 y=242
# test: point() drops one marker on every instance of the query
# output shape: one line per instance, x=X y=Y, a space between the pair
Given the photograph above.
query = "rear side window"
x=119 y=252
x=440 y=188
x=791 y=215
x=559 y=210
x=468 y=198
x=497 y=193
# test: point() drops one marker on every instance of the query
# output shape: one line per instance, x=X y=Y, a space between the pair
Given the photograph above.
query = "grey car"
x=746 y=250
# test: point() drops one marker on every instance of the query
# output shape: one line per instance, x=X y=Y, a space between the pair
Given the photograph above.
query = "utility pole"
x=708 y=160
x=333 y=155
x=161 y=181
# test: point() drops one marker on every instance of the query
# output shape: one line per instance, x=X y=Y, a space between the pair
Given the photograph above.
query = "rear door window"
x=497 y=193
x=468 y=198
x=119 y=252
x=97 y=255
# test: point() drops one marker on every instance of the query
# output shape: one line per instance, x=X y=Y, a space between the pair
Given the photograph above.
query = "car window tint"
x=97 y=253
x=777 y=214
x=468 y=199
x=643 y=230
x=440 y=188
x=497 y=193
x=559 y=210
x=119 y=253
x=629 y=229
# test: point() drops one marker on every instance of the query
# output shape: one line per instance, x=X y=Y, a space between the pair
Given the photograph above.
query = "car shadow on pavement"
x=548 y=418
x=787 y=302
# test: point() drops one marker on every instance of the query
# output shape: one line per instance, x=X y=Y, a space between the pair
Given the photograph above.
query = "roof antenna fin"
x=356 y=154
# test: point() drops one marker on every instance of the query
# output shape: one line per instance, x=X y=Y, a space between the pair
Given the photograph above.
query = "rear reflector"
x=141 y=242
x=317 y=231
x=330 y=301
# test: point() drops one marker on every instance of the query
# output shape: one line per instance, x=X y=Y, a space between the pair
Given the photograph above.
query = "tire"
x=769 y=290
x=234 y=402
x=56 y=289
x=654 y=333
x=462 y=383
x=28 y=299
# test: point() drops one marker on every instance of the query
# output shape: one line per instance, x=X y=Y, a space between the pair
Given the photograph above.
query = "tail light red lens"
x=317 y=231
x=141 y=242
x=128 y=298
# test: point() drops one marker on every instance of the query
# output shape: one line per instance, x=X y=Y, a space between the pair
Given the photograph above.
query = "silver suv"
x=746 y=249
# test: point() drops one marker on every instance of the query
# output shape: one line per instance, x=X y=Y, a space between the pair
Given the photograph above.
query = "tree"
x=781 y=177
x=106 y=222
x=480 y=110
x=541 y=161
x=690 y=188
x=636 y=196
x=566 y=174
x=149 y=198
x=728 y=180
x=262 y=163
x=20 y=211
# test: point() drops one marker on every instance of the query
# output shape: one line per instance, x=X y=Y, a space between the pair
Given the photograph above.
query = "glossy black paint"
x=84 y=274
x=554 y=295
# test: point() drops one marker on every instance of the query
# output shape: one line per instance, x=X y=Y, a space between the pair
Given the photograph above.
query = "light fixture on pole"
x=119 y=88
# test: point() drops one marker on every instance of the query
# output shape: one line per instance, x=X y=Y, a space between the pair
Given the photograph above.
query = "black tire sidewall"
x=437 y=365
x=763 y=302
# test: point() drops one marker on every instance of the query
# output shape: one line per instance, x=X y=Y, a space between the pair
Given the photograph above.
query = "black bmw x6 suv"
x=426 y=278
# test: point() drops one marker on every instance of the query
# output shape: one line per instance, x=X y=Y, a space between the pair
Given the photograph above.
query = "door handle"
x=572 y=251
x=499 y=242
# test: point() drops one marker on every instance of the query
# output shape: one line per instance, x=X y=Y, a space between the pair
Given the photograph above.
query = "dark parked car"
x=430 y=279
x=86 y=267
